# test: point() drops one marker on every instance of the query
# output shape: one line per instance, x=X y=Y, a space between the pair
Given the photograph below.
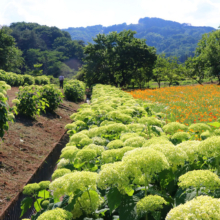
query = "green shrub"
x=74 y=90
x=42 y=80
x=5 y=111
x=31 y=103
x=29 y=79
x=52 y=95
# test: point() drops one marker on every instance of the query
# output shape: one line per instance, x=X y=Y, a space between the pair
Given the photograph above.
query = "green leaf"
x=44 y=194
x=37 y=204
x=127 y=208
x=214 y=124
x=114 y=198
x=26 y=203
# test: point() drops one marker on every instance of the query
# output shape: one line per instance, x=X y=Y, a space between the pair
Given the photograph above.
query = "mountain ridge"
x=169 y=37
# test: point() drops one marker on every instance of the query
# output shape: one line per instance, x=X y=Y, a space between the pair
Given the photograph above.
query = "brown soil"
x=25 y=146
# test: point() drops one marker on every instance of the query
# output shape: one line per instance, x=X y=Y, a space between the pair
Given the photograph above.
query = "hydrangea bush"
x=124 y=162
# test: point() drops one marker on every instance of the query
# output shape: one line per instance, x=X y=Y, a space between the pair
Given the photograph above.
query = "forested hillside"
x=168 y=37
x=49 y=46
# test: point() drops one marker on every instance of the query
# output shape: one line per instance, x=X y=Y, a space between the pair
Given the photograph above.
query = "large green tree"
x=208 y=54
x=116 y=58
x=10 y=56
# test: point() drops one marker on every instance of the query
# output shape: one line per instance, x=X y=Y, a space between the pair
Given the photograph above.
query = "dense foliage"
x=6 y=114
x=35 y=99
x=48 y=46
x=168 y=37
x=117 y=58
x=53 y=96
x=30 y=102
x=10 y=56
x=74 y=90
x=122 y=162
x=14 y=79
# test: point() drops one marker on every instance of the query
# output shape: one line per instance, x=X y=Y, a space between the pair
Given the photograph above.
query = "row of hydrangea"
x=124 y=162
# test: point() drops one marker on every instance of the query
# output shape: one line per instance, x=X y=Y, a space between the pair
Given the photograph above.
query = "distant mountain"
x=168 y=37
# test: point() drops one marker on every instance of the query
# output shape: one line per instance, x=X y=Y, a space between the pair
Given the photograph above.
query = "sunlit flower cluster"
x=202 y=207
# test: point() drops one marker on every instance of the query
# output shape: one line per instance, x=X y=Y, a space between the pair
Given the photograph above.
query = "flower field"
x=125 y=162
x=185 y=104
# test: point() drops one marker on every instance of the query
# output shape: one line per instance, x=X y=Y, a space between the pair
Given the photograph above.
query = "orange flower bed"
x=185 y=104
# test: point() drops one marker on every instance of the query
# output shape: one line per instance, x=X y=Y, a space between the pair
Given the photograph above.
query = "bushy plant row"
x=74 y=90
x=6 y=113
x=124 y=162
x=14 y=79
x=31 y=100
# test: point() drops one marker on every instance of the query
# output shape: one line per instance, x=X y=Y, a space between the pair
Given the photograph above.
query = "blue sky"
x=82 y=13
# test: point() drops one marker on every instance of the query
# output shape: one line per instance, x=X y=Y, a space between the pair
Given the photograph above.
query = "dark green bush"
x=5 y=111
x=31 y=102
x=74 y=90
x=53 y=96
x=28 y=79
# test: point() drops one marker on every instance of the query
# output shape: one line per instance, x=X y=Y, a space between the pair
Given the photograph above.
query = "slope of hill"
x=168 y=37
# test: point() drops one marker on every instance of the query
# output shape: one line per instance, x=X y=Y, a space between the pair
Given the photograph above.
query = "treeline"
x=25 y=44
x=122 y=60
x=169 y=37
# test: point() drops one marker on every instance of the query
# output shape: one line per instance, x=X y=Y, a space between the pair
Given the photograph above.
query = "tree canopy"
x=10 y=55
x=116 y=58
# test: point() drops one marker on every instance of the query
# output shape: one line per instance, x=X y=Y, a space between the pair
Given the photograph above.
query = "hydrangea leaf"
x=114 y=199
x=26 y=203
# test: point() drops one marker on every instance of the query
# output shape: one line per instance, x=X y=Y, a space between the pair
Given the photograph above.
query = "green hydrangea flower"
x=98 y=149
x=135 y=127
x=97 y=131
x=135 y=142
x=88 y=203
x=157 y=140
x=173 y=127
x=56 y=214
x=150 y=203
x=62 y=163
x=44 y=184
x=144 y=161
x=71 y=182
x=76 y=138
x=180 y=136
x=191 y=149
x=60 y=172
x=116 y=128
x=217 y=132
x=69 y=148
x=150 y=121
x=202 y=207
x=210 y=147
x=16 y=101
x=175 y=156
x=115 y=144
x=69 y=154
x=100 y=141
x=205 y=135
x=110 y=156
x=126 y=136
x=112 y=175
x=85 y=141
x=45 y=204
x=198 y=179
x=199 y=127
x=85 y=155
x=31 y=189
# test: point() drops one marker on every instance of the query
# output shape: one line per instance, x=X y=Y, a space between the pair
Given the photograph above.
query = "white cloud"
x=196 y=12
x=75 y=13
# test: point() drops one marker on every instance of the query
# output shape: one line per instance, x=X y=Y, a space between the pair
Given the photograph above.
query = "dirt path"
x=25 y=146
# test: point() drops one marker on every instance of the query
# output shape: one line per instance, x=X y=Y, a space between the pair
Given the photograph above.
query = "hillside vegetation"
x=168 y=37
